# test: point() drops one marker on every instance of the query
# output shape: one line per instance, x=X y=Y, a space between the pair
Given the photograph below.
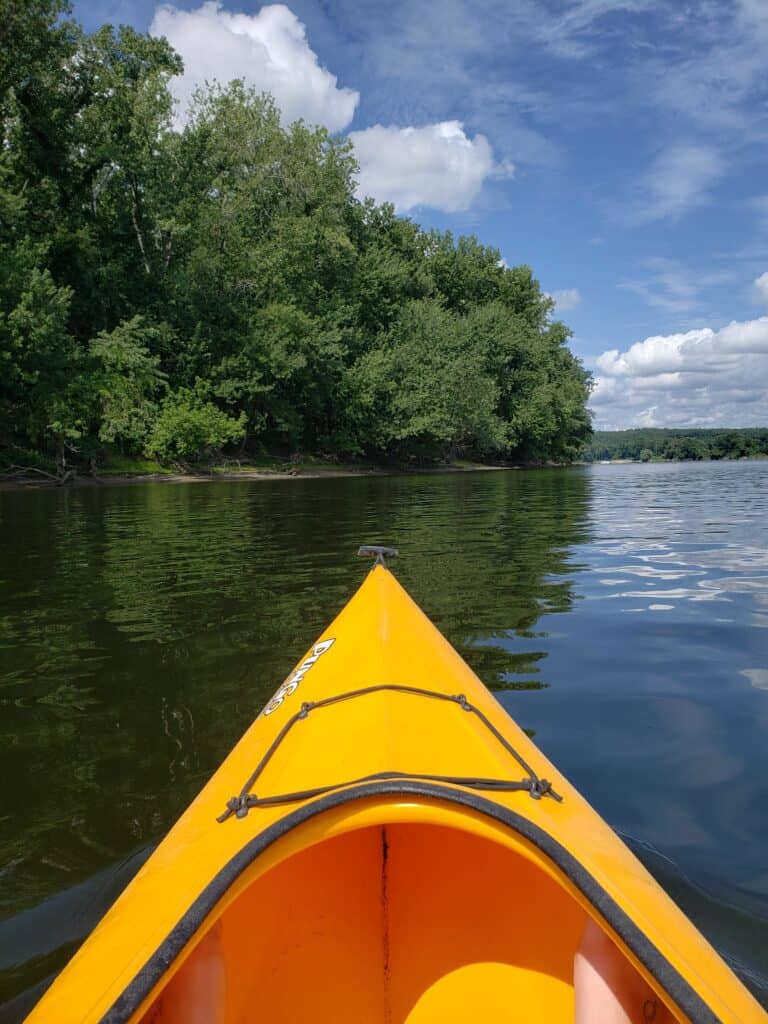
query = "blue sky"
x=616 y=146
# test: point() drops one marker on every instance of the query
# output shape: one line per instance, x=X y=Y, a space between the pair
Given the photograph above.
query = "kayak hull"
x=328 y=871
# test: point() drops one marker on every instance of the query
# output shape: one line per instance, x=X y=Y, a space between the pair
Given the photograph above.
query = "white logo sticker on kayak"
x=291 y=684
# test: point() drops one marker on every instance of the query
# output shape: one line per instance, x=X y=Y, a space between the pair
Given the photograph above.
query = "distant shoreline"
x=317 y=471
x=677 y=444
x=314 y=472
x=659 y=462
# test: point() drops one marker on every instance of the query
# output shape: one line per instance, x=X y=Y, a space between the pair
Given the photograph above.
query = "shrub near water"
x=187 y=426
x=171 y=293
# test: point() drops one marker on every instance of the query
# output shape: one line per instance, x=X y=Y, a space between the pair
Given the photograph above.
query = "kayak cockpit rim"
x=679 y=991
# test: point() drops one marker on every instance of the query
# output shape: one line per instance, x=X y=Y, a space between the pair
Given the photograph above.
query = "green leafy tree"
x=125 y=176
x=127 y=382
x=426 y=391
x=46 y=392
x=188 y=428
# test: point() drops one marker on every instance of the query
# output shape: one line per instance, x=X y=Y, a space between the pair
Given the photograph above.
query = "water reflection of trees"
x=492 y=555
x=141 y=629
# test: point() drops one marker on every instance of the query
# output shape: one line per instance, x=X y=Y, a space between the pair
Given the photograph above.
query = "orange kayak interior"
x=399 y=922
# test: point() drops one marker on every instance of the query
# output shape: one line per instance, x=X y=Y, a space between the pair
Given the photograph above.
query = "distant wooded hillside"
x=648 y=443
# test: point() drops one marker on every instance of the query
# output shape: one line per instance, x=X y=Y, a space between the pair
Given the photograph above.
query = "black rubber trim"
x=686 y=997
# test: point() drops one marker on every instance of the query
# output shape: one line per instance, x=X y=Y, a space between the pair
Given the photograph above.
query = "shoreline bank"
x=314 y=472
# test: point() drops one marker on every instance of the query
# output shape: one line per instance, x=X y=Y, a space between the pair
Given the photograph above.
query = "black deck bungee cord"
x=535 y=787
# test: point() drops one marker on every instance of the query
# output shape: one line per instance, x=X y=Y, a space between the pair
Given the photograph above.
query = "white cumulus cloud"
x=268 y=49
x=565 y=299
x=698 y=378
x=761 y=287
x=680 y=179
x=436 y=165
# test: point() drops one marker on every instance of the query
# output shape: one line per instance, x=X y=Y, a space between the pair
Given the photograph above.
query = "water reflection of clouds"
x=677 y=581
x=652 y=572
x=698 y=760
x=685 y=542
x=758 y=677
x=740 y=566
x=672 y=593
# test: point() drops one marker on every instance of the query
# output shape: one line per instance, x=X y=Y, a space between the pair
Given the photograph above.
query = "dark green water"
x=621 y=611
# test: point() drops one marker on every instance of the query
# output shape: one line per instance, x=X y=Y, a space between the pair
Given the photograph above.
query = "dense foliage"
x=660 y=443
x=170 y=292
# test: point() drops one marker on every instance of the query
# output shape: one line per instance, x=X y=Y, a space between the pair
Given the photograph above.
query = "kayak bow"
x=384 y=844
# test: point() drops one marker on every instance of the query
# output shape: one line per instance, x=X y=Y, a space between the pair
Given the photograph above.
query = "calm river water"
x=621 y=612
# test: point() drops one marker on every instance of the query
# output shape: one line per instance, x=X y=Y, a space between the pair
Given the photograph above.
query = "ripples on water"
x=620 y=612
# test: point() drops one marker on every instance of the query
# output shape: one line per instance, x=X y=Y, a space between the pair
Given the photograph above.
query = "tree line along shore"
x=172 y=292
x=646 y=444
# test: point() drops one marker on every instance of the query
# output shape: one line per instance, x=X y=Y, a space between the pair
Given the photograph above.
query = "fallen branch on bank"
x=19 y=472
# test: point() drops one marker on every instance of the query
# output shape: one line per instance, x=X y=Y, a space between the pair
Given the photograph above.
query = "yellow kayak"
x=384 y=844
